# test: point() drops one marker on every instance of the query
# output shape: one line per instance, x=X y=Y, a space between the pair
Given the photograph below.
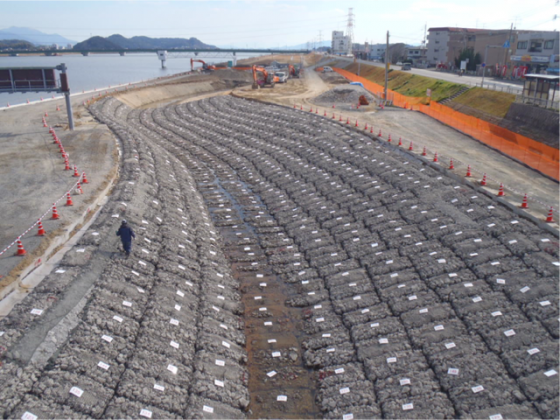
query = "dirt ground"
x=33 y=175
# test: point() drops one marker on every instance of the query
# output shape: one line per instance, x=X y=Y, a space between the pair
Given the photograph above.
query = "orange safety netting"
x=537 y=155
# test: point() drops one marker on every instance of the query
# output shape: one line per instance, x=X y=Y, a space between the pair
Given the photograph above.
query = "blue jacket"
x=126 y=233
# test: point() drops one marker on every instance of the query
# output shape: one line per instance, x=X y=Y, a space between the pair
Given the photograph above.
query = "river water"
x=98 y=71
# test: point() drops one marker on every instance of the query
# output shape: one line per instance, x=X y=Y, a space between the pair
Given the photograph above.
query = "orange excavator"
x=204 y=65
x=293 y=71
x=269 y=78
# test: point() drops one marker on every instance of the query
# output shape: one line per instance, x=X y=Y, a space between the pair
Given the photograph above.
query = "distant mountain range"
x=34 y=36
x=119 y=42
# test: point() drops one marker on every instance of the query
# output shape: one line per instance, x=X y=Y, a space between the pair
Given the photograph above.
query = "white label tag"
x=533 y=351
x=174 y=344
x=383 y=341
x=208 y=409
x=107 y=338
x=551 y=373
x=408 y=406
x=146 y=413
x=218 y=383
x=413 y=297
x=477 y=388
x=320 y=320
x=118 y=318
x=36 y=311
x=496 y=417
x=281 y=398
x=391 y=360
x=477 y=299
x=271 y=374
x=29 y=416
x=500 y=281
x=172 y=369
x=220 y=362
x=509 y=333
x=326 y=335
x=344 y=391
x=173 y=321
x=159 y=387
x=525 y=289
x=423 y=311
x=271 y=340
x=450 y=345
x=103 y=365
x=348 y=416
x=76 y=391
x=127 y=303
x=404 y=381
x=438 y=327
x=452 y=371
x=468 y=285
x=496 y=313
x=339 y=371
x=544 y=303
x=226 y=344
x=331 y=350
x=276 y=354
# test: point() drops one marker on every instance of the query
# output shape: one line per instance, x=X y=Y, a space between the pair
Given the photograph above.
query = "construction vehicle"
x=269 y=78
x=205 y=67
x=294 y=72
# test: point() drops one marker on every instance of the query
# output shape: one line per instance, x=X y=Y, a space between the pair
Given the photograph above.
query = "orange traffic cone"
x=400 y=141
x=66 y=164
x=389 y=139
x=436 y=158
x=501 y=191
x=20 y=249
x=54 y=213
x=69 y=201
x=451 y=164
x=333 y=117
x=371 y=129
x=380 y=134
x=365 y=127
x=325 y=114
x=468 y=171
x=424 y=152
x=525 y=204
x=549 y=217
x=483 y=182
x=347 y=120
x=340 y=118
x=84 y=178
x=41 y=231
x=76 y=174
x=356 y=125
x=410 y=147
x=79 y=188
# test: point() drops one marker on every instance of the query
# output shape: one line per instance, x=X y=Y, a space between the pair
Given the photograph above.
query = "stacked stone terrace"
x=421 y=298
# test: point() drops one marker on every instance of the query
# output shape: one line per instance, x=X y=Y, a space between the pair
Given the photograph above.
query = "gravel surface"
x=344 y=94
x=366 y=253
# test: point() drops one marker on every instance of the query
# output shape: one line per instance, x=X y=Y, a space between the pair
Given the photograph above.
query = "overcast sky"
x=259 y=24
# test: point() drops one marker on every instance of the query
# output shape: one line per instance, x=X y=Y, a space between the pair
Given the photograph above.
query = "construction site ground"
x=285 y=266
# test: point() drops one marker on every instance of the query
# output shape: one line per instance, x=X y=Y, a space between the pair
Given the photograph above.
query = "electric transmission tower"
x=350 y=29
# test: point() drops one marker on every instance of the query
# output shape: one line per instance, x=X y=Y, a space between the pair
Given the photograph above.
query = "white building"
x=340 y=43
x=377 y=51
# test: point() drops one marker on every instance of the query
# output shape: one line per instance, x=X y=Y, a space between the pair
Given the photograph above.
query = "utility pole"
x=507 y=49
x=386 y=67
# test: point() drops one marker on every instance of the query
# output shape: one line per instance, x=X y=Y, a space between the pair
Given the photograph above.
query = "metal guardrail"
x=543 y=103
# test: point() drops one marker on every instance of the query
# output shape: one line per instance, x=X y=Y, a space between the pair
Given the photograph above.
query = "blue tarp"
x=357 y=83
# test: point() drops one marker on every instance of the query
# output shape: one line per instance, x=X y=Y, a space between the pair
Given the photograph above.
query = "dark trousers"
x=127 y=245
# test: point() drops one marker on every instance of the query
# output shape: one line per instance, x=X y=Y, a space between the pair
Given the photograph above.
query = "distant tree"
x=396 y=52
x=468 y=53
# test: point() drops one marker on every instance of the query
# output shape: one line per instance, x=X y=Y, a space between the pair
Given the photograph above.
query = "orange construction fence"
x=531 y=152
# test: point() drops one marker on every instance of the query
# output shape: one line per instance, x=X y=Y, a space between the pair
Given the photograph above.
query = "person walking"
x=126 y=233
